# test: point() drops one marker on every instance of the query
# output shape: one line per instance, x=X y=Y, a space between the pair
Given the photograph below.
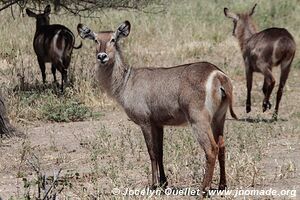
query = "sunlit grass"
x=188 y=31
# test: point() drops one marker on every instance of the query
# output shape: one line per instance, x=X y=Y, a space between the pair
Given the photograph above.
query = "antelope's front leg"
x=150 y=139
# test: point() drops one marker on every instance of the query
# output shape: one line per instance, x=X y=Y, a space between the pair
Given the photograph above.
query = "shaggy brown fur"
x=52 y=43
x=261 y=52
x=195 y=93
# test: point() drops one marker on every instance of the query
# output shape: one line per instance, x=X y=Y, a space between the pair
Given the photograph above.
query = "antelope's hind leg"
x=53 y=70
x=249 y=77
x=64 y=74
x=285 y=70
x=43 y=69
x=269 y=83
x=218 y=129
x=202 y=129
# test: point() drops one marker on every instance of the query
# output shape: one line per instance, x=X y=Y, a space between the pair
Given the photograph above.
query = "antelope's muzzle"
x=102 y=57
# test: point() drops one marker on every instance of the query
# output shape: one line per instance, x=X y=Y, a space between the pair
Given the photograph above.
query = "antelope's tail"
x=79 y=46
x=229 y=95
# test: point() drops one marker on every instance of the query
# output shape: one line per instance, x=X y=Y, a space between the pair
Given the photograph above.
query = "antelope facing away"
x=261 y=52
x=52 y=43
x=197 y=93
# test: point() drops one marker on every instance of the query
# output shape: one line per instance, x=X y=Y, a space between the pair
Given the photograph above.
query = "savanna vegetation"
x=85 y=136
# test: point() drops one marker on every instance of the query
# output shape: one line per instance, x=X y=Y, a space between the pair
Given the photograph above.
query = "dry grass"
x=113 y=154
x=188 y=31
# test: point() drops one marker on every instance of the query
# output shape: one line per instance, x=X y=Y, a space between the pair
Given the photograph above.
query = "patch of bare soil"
x=282 y=163
x=56 y=145
x=61 y=145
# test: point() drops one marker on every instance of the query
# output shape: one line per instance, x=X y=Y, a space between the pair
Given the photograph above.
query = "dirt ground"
x=96 y=148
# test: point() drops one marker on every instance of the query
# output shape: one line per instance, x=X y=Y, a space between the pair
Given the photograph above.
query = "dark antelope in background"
x=52 y=43
x=261 y=52
x=197 y=93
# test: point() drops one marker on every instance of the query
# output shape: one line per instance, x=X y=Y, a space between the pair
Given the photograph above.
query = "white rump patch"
x=210 y=102
x=275 y=46
x=58 y=51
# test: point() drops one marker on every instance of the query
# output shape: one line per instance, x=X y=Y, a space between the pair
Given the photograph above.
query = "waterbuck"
x=261 y=52
x=197 y=93
x=52 y=43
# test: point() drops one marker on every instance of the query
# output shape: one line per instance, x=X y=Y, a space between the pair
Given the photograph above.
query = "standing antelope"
x=261 y=51
x=52 y=43
x=198 y=93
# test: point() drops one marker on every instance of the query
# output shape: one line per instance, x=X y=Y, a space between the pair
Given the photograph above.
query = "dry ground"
x=96 y=156
x=108 y=151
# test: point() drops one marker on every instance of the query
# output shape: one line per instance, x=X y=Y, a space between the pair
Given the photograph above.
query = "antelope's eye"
x=112 y=40
x=96 y=41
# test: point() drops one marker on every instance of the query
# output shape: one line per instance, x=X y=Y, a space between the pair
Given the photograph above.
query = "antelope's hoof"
x=55 y=83
x=163 y=184
x=269 y=105
x=275 y=116
x=206 y=193
x=222 y=187
x=248 y=108
x=266 y=105
x=153 y=187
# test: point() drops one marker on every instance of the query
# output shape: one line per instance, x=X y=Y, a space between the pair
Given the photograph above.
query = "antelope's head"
x=242 y=22
x=42 y=18
x=106 y=41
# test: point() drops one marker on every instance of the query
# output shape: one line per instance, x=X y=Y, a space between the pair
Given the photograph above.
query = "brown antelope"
x=52 y=43
x=261 y=52
x=197 y=93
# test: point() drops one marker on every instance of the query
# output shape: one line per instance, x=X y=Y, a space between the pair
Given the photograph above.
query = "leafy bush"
x=65 y=111
x=48 y=106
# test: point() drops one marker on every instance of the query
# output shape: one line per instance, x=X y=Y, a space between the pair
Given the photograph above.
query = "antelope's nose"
x=102 y=57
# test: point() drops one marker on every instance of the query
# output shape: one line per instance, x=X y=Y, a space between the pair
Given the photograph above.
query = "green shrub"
x=65 y=110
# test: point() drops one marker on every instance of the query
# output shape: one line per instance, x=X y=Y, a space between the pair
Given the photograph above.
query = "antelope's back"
x=165 y=94
x=52 y=41
x=273 y=43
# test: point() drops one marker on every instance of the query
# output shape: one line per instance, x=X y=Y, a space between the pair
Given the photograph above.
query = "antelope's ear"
x=47 y=10
x=86 y=32
x=253 y=10
x=123 y=30
x=30 y=13
x=230 y=14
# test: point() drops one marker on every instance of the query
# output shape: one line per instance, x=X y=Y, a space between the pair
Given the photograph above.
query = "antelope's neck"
x=244 y=35
x=39 y=29
x=113 y=78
